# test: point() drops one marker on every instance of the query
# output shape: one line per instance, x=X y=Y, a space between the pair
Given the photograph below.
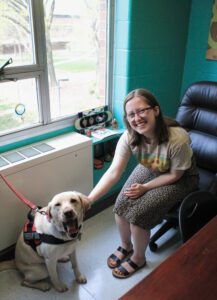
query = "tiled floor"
x=99 y=240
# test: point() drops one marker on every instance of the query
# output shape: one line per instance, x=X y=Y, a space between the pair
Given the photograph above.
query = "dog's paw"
x=41 y=285
x=81 y=279
x=61 y=287
x=45 y=287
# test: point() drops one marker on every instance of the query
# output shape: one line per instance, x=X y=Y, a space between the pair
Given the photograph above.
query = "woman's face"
x=142 y=117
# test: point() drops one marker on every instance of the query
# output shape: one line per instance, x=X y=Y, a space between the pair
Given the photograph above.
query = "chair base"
x=170 y=223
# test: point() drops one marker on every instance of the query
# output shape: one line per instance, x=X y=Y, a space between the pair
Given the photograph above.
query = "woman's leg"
x=125 y=235
x=125 y=209
x=125 y=232
x=141 y=239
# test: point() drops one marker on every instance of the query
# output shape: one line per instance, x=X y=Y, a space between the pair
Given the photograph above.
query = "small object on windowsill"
x=89 y=133
x=102 y=133
x=114 y=124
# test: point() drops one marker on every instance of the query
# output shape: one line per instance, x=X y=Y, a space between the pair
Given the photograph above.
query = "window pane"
x=15 y=33
x=76 y=54
x=18 y=104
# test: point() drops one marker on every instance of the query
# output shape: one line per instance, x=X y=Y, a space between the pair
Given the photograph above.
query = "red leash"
x=27 y=202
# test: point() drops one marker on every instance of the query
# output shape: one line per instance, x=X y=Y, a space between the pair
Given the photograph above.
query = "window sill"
x=36 y=134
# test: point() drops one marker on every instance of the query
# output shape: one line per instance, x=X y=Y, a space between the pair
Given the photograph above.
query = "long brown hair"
x=162 y=123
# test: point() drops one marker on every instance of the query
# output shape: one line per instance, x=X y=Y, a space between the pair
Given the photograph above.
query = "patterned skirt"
x=149 y=210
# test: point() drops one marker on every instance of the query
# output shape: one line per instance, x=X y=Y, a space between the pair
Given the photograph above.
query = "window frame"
x=39 y=71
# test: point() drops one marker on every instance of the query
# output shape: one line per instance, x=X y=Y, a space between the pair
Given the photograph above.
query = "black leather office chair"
x=197 y=113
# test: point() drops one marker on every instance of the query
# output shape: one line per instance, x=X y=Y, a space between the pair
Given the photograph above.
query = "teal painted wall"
x=121 y=53
x=197 y=67
x=151 y=39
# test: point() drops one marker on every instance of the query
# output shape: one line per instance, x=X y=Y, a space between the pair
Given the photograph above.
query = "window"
x=59 y=52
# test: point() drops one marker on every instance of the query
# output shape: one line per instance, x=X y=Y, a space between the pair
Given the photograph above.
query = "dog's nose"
x=68 y=213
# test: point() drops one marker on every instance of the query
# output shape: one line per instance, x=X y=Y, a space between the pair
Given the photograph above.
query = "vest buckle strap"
x=29 y=236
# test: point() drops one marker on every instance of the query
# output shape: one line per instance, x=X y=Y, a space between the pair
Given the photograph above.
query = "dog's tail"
x=7 y=265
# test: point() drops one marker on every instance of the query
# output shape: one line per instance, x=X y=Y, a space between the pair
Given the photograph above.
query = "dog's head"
x=66 y=212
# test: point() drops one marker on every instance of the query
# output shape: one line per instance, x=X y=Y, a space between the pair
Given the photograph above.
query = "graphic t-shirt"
x=175 y=154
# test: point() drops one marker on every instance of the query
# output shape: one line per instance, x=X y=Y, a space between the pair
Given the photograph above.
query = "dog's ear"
x=48 y=212
x=84 y=202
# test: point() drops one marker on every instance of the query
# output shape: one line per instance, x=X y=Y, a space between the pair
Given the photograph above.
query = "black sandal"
x=125 y=273
x=118 y=260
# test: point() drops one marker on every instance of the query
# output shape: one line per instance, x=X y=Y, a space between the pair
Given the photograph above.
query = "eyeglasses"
x=141 y=112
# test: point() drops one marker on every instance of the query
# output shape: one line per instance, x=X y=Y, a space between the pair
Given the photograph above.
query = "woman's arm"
x=136 y=190
x=111 y=176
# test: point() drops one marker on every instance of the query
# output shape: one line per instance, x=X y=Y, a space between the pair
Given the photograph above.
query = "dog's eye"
x=57 y=204
x=72 y=200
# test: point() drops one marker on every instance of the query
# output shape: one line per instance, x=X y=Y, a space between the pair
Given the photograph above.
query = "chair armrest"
x=195 y=211
x=213 y=188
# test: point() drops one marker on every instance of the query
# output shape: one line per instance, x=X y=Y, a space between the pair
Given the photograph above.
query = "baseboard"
x=8 y=253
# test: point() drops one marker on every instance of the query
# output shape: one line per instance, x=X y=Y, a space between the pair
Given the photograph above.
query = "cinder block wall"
x=150 y=46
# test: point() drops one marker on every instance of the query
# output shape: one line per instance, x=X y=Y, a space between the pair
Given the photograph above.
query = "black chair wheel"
x=153 y=247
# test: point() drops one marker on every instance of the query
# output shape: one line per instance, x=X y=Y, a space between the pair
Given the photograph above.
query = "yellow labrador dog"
x=61 y=225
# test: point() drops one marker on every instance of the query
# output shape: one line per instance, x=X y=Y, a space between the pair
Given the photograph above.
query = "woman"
x=165 y=174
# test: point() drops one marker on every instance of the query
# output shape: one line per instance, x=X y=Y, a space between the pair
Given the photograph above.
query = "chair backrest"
x=197 y=113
